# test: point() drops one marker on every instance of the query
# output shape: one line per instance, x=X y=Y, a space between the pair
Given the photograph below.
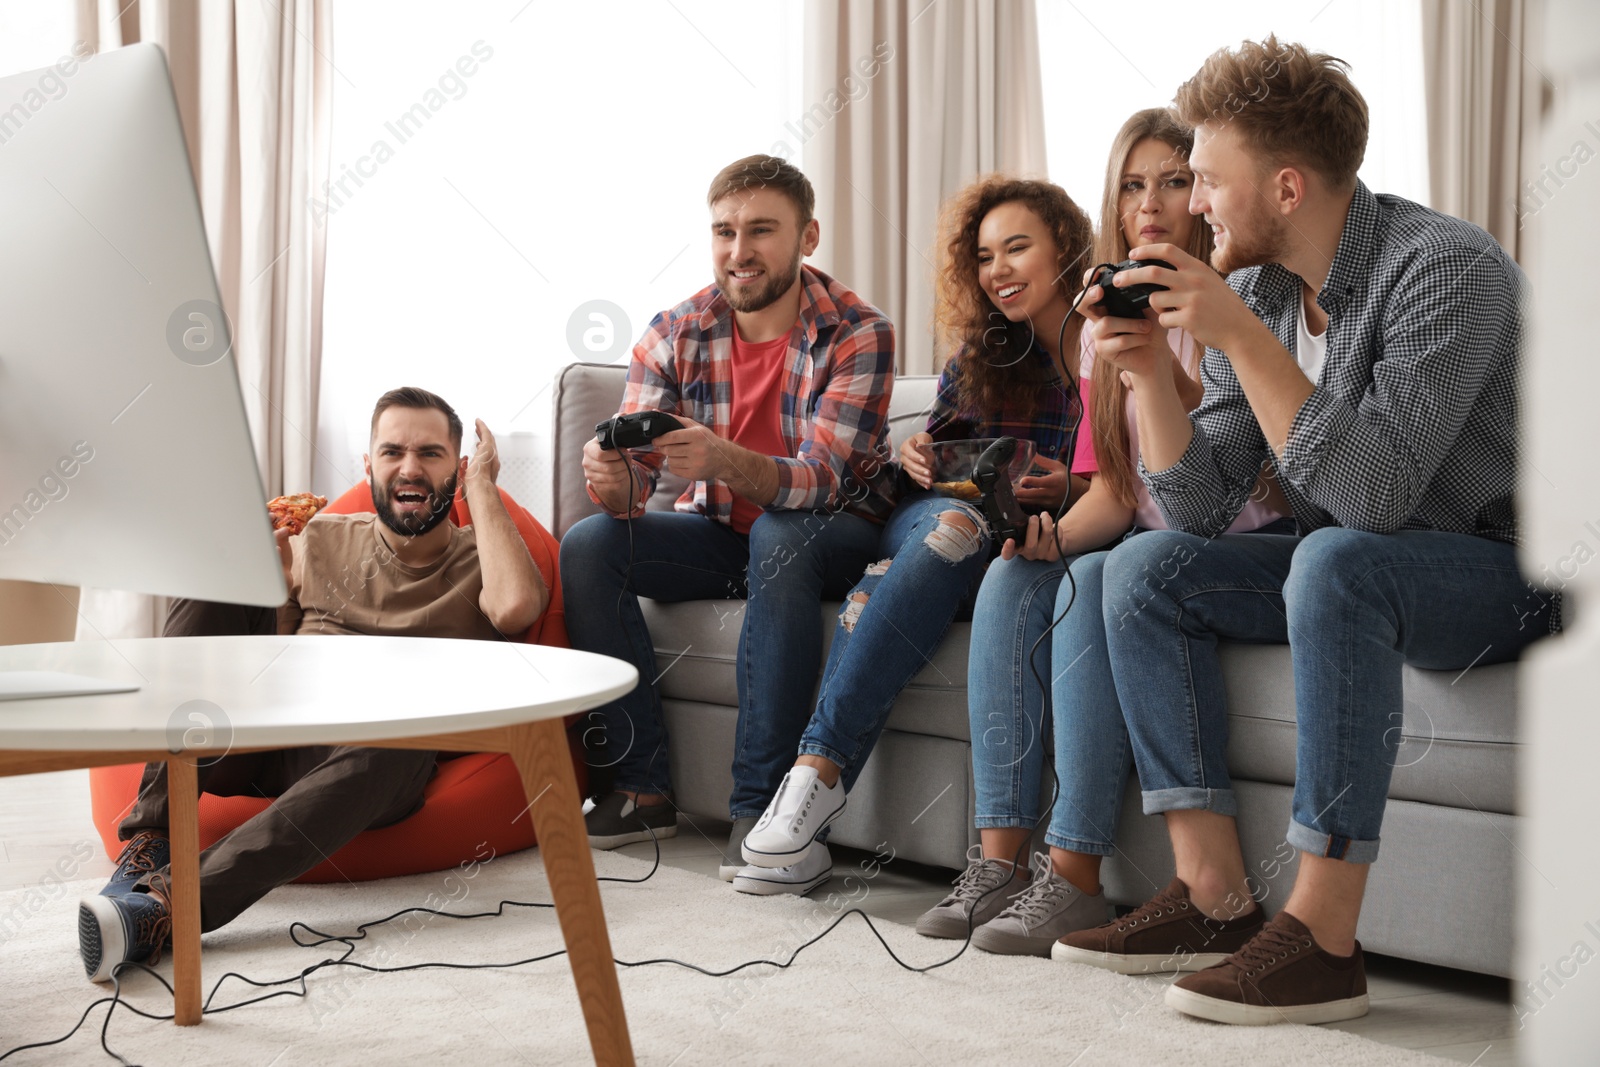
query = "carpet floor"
x=844 y=1000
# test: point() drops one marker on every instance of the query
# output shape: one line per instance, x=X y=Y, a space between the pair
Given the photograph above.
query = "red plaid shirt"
x=834 y=413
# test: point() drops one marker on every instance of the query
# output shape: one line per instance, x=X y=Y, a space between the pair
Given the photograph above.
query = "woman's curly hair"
x=993 y=373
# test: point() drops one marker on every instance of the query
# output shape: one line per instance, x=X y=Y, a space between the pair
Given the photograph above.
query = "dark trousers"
x=325 y=795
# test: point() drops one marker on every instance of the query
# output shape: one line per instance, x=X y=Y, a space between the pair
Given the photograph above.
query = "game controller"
x=992 y=475
x=634 y=430
x=1129 y=301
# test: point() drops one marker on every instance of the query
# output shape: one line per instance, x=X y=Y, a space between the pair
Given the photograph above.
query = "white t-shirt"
x=1309 y=351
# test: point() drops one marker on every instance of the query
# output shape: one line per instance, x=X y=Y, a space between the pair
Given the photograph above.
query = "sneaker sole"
x=633 y=836
x=762 y=887
x=785 y=859
x=102 y=942
x=1001 y=943
x=1148 y=963
x=1227 y=1011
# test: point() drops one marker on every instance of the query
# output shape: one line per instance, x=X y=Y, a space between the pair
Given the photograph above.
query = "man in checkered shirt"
x=781 y=377
x=1364 y=351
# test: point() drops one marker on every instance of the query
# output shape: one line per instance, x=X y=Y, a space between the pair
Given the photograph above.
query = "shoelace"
x=1151 y=909
x=1272 y=945
x=156 y=928
x=139 y=853
x=1041 y=898
x=980 y=876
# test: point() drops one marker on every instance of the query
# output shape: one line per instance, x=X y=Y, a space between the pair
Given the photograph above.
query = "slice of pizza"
x=295 y=511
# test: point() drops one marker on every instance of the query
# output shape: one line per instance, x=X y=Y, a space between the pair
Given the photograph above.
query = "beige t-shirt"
x=345 y=580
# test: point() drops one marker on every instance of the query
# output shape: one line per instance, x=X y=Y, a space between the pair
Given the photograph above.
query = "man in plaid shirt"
x=781 y=377
x=1364 y=350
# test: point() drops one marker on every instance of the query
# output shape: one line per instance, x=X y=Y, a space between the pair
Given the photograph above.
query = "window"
x=34 y=35
x=1101 y=64
x=522 y=185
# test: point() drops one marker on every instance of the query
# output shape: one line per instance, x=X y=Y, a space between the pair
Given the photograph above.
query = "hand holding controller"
x=634 y=430
x=992 y=475
x=1129 y=301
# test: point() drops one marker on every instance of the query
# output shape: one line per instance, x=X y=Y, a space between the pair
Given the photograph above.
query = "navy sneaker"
x=144 y=855
x=131 y=928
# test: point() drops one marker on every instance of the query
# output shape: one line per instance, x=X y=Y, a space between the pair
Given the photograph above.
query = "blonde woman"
x=1024 y=911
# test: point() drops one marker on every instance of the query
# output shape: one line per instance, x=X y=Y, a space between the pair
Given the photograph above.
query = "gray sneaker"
x=732 y=858
x=1048 y=909
x=616 y=820
x=979 y=885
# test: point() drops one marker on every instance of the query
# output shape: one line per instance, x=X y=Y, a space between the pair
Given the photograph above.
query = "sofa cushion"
x=697 y=644
x=1457 y=737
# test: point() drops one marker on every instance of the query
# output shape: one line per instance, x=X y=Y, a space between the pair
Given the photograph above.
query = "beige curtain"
x=1486 y=96
x=906 y=102
x=253 y=84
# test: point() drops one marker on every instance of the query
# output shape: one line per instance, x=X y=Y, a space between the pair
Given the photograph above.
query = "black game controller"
x=992 y=475
x=1129 y=301
x=634 y=429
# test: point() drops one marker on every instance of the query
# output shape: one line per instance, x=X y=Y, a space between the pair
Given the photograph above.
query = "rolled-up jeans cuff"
x=827 y=752
x=1078 y=845
x=1189 y=798
x=1332 y=846
x=1004 y=822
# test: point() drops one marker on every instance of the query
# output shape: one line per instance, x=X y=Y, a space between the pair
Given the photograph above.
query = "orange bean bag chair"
x=473 y=804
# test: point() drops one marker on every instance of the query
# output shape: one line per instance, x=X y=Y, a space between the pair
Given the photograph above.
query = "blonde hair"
x=1109 y=396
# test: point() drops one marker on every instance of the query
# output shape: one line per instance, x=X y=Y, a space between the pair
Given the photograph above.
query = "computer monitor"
x=126 y=459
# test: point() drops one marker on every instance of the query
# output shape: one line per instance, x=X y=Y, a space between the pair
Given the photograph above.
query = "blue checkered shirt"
x=1413 y=423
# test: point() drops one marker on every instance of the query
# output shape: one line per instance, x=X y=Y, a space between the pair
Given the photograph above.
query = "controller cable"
x=318 y=938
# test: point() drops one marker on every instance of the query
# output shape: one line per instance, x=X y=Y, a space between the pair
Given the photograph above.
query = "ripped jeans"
x=933 y=549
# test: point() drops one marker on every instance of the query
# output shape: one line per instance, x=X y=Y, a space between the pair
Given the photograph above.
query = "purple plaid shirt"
x=834 y=413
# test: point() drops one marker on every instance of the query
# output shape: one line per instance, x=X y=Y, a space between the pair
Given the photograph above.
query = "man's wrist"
x=1242 y=339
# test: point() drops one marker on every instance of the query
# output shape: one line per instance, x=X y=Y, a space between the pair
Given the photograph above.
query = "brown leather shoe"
x=1168 y=933
x=1281 y=976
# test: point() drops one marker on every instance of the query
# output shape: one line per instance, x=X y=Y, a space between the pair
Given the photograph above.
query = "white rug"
x=844 y=1001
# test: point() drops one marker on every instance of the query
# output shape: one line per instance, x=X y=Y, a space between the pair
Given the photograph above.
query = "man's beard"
x=435 y=509
x=1262 y=239
x=745 y=300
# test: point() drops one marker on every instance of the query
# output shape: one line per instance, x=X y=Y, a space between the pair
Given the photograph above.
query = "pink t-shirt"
x=1145 y=513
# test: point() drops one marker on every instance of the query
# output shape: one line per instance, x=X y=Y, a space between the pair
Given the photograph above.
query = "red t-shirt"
x=754 y=414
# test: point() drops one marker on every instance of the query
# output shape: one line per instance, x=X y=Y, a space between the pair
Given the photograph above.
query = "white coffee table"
x=389 y=692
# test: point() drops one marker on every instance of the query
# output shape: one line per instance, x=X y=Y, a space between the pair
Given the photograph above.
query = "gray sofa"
x=1441 y=892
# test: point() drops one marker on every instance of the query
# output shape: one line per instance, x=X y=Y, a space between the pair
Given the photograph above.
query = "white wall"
x=1558 y=956
x=1101 y=63
x=563 y=178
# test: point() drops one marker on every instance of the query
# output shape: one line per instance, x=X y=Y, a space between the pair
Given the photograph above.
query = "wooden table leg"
x=183 y=829
x=541 y=754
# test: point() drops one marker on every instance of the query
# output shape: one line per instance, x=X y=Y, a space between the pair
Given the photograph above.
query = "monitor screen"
x=126 y=461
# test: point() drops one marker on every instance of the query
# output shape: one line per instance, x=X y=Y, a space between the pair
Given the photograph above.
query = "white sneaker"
x=802 y=809
x=813 y=868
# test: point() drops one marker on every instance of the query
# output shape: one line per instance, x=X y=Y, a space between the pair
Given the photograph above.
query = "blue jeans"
x=788 y=564
x=1353 y=607
x=892 y=622
x=1006 y=703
